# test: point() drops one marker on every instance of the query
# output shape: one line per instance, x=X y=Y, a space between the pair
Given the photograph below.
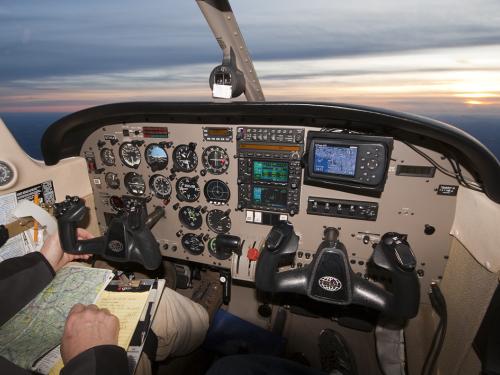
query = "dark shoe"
x=335 y=354
x=209 y=295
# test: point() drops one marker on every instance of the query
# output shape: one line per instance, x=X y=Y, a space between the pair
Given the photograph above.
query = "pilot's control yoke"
x=329 y=278
x=128 y=239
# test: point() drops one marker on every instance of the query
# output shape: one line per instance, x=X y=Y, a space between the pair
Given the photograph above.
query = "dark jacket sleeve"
x=99 y=360
x=21 y=279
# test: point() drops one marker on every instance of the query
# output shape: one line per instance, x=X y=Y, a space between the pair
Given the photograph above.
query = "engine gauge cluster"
x=160 y=186
x=215 y=160
x=190 y=217
x=130 y=155
x=217 y=192
x=185 y=158
x=187 y=189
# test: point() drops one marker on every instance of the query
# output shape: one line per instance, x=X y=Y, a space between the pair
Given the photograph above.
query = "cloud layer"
x=423 y=57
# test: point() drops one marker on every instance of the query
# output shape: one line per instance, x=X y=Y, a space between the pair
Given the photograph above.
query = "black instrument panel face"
x=238 y=180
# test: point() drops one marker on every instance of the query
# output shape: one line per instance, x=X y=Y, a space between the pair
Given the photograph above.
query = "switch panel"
x=342 y=208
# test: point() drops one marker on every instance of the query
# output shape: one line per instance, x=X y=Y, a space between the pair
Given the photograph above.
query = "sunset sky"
x=428 y=57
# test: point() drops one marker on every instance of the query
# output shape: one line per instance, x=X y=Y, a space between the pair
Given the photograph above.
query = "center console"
x=269 y=168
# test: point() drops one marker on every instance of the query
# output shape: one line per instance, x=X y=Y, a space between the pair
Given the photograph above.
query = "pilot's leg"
x=180 y=326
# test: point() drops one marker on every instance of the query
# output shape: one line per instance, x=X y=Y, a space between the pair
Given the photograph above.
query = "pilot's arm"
x=89 y=343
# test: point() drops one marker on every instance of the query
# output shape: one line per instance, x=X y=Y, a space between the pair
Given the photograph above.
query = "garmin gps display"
x=270 y=196
x=270 y=171
x=335 y=160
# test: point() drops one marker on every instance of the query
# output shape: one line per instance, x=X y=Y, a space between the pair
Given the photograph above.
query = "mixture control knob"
x=253 y=254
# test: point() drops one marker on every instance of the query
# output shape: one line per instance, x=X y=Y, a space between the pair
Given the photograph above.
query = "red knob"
x=253 y=254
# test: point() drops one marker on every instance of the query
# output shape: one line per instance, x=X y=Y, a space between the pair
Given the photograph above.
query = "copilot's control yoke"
x=329 y=278
x=128 y=239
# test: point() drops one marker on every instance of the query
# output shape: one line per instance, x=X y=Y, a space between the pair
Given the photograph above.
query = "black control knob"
x=192 y=145
x=299 y=137
x=137 y=143
x=175 y=206
x=179 y=233
x=100 y=143
x=331 y=234
x=172 y=177
x=429 y=229
x=203 y=172
x=113 y=141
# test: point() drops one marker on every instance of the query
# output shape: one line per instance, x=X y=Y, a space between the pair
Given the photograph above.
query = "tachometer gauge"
x=160 y=186
x=219 y=221
x=193 y=243
x=130 y=155
x=112 y=180
x=7 y=174
x=215 y=160
x=156 y=157
x=217 y=192
x=190 y=217
x=185 y=158
x=134 y=183
x=188 y=189
x=108 y=157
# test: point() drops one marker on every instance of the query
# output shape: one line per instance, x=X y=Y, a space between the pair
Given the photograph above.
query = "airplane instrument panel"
x=237 y=181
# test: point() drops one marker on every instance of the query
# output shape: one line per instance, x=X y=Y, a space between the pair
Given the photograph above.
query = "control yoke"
x=329 y=278
x=128 y=239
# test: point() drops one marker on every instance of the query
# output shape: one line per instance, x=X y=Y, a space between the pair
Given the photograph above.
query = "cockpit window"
x=440 y=61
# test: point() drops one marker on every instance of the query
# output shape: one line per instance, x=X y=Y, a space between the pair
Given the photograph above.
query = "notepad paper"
x=127 y=307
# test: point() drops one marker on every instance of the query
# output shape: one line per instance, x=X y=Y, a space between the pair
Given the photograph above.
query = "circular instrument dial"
x=215 y=160
x=217 y=192
x=188 y=189
x=190 y=217
x=130 y=155
x=108 y=157
x=185 y=158
x=112 y=180
x=156 y=157
x=7 y=174
x=134 y=183
x=221 y=254
x=193 y=243
x=219 y=221
x=116 y=203
x=160 y=186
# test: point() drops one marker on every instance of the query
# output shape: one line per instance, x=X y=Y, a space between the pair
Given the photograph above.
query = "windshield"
x=438 y=59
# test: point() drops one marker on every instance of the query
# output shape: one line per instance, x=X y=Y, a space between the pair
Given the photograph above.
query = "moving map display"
x=335 y=160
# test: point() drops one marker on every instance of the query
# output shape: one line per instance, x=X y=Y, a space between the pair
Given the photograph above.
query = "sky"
x=434 y=58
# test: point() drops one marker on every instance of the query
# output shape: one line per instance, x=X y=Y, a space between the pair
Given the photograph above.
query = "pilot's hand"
x=56 y=256
x=86 y=327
